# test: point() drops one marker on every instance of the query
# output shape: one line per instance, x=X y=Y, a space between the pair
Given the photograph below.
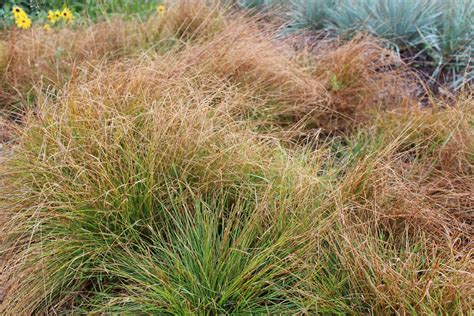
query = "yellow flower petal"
x=52 y=16
x=19 y=13
x=23 y=23
x=67 y=15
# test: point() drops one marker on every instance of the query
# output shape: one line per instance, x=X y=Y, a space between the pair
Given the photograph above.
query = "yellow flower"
x=53 y=16
x=21 y=18
x=46 y=27
x=57 y=14
x=161 y=9
x=23 y=22
x=66 y=14
x=18 y=13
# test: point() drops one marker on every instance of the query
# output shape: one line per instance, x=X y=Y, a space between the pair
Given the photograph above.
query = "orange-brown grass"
x=194 y=19
x=158 y=183
x=334 y=91
x=4 y=54
x=37 y=58
x=403 y=214
x=281 y=91
x=361 y=76
x=407 y=278
x=421 y=174
x=6 y=131
x=239 y=56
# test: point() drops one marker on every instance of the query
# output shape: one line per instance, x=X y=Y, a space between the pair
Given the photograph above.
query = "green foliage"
x=170 y=216
x=89 y=9
x=335 y=84
x=95 y=9
x=206 y=260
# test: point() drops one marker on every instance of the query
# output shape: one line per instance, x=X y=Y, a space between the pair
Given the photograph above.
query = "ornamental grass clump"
x=168 y=195
x=39 y=59
x=405 y=226
x=420 y=166
x=173 y=206
x=170 y=180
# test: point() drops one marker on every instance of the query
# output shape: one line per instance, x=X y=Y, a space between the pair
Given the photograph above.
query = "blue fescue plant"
x=440 y=30
x=452 y=46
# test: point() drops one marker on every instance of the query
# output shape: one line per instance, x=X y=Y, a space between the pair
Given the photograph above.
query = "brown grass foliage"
x=422 y=171
x=37 y=58
x=377 y=219
x=401 y=224
x=330 y=90
x=361 y=76
x=190 y=19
